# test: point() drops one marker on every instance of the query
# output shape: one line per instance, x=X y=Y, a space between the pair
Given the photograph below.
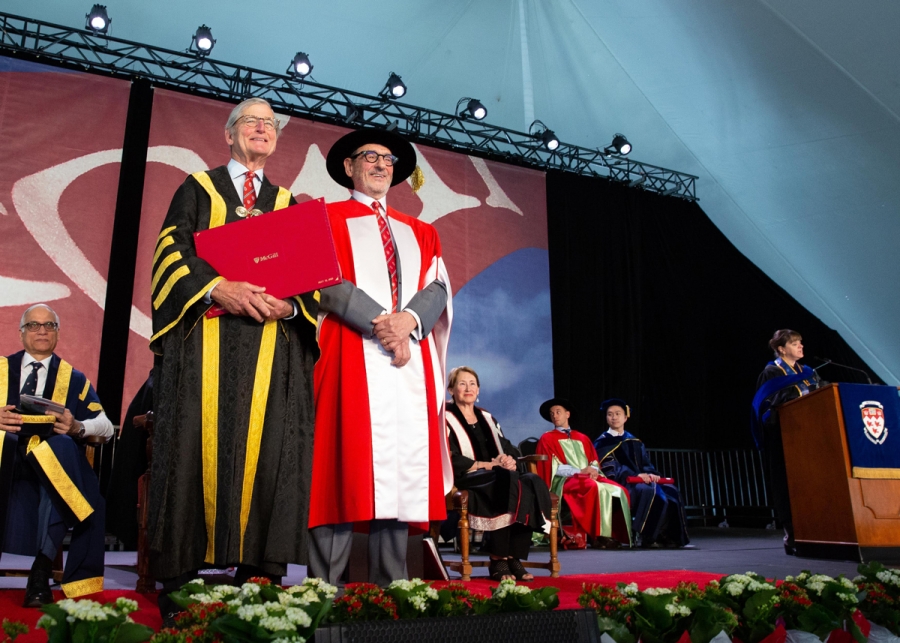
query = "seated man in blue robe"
x=46 y=483
x=656 y=508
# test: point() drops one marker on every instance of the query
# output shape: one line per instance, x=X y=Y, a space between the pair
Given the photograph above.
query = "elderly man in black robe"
x=232 y=445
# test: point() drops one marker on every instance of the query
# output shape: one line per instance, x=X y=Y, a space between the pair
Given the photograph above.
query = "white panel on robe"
x=397 y=396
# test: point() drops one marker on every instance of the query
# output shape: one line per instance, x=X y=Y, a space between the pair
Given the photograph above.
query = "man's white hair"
x=30 y=308
x=239 y=109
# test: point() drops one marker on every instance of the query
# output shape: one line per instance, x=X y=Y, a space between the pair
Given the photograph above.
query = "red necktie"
x=249 y=191
x=389 y=254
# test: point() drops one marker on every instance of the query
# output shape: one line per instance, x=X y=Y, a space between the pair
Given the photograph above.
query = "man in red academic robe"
x=380 y=453
x=573 y=473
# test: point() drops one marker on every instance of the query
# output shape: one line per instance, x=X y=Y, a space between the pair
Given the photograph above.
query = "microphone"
x=851 y=368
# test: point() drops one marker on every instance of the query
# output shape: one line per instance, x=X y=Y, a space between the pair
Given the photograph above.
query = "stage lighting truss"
x=544 y=134
x=202 y=42
x=84 y=50
x=473 y=109
x=393 y=88
x=97 y=19
x=619 y=145
x=300 y=66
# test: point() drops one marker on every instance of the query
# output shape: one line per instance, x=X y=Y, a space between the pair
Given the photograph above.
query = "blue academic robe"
x=58 y=464
x=656 y=509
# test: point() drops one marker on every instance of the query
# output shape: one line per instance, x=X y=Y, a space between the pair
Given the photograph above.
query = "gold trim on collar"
x=209 y=422
x=60 y=480
x=261 y=382
x=283 y=199
x=217 y=211
x=83 y=587
x=63 y=378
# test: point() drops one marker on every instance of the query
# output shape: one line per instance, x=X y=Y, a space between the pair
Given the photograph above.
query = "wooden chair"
x=146 y=583
x=459 y=501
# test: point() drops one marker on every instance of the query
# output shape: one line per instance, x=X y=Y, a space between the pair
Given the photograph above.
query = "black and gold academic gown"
x=232 y=443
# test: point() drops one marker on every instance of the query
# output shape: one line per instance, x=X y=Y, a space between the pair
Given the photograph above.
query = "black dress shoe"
x=37 y=591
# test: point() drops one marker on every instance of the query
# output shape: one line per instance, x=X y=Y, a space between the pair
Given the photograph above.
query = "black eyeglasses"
x=32 y=327
x=371 y=156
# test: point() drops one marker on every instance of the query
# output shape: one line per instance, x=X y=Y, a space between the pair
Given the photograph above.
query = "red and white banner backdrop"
x=61 y=136
x=483 y=210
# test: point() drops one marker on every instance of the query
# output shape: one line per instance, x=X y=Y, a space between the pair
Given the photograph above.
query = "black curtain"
x=651 y=303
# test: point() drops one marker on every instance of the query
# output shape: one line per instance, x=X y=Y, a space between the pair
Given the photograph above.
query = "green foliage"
x=86 y=621
x=12 y=629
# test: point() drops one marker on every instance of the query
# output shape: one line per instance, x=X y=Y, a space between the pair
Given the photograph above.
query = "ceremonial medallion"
x=873 y=421
x=241 y=211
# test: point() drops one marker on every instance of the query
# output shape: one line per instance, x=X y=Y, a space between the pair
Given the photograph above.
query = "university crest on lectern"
x=873 y=421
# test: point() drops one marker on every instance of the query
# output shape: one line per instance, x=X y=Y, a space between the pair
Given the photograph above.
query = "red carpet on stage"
x=569 y=590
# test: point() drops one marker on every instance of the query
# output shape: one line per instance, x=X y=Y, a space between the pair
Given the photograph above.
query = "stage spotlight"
x=620 y=145
x=203 y=41
x=300 y=66
x=474 y=109
x=393 y=88
x=544 y=134
x=98 y=19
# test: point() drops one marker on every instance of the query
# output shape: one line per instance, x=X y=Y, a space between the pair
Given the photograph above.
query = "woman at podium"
x=784 y=379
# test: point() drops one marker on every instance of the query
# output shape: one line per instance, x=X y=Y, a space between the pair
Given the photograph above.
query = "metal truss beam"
x=81 y=49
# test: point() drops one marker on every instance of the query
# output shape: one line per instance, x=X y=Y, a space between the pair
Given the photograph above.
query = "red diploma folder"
x=637 y=480
x=289 y=251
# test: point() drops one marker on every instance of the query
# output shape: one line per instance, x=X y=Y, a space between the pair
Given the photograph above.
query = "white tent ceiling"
x=787 y=110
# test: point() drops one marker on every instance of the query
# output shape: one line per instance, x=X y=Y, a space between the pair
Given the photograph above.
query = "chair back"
x=528 y=446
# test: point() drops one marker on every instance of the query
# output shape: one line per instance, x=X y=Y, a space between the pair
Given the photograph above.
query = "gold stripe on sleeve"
x=217 y=210
x=165 y=232
x=162 y=245
x=94 y=406
x=283 y=199
x=161 y=269
x=84 y=392
x=61 y=481
x=209 y=422
x=183 y=271
x=258 y=403
x=189 y=303
x=63 y=377
x=83 y=587
x=39 y=419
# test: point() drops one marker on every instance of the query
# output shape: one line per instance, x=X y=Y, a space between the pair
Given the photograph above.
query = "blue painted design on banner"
x=501 y=328
x=14 y=64
x=872 y=421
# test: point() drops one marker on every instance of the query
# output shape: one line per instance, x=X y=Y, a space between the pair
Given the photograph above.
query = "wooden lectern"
x=835 y=515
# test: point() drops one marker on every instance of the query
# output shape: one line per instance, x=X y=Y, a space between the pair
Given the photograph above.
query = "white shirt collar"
x=27 y=359
x=236 y=170
x=567 y=429
x=366 y=200
x=616 y=433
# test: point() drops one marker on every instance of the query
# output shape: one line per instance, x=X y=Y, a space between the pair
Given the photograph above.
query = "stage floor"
x=713 y=550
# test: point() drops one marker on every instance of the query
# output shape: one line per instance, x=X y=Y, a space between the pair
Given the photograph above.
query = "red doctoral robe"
x=373 y=420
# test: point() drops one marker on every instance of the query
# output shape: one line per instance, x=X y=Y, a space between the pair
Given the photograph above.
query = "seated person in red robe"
x=573 y=473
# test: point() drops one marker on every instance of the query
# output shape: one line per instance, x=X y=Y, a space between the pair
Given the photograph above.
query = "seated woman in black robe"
x=509 y=504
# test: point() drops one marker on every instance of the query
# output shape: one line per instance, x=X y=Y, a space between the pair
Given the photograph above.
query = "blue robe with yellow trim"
x=57 y=463
x=232 y=443
x=656 y=509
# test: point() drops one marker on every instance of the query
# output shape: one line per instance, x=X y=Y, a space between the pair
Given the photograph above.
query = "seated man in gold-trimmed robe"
x=232 y=443
x=46 y=484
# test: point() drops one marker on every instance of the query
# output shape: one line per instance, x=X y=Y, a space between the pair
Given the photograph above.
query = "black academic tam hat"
x=554 y=401
x=347 y=144
x=614 y=401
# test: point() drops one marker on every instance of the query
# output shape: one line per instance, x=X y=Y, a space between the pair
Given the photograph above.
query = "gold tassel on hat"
x=417 y=179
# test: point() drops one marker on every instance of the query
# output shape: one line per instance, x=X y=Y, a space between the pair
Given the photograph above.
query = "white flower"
x=407 y=585
x=83 y=610
x=849 y=598
x=657 y=591
x=249 y=612
x=859 y=579
x=197 y=581
x=735 y=589
x=419 y=602
x=815 y=586
x=631 y=589
x=298 y=617
x=675 y=609
x=509 y=587
x=46 y=622
x=275 y=623
x=755 y=586
x=846 y=582
x=126 y=605
x=249 y=589
x=204 y=598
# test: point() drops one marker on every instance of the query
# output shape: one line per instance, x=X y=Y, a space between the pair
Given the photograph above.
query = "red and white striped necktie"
x=390 y=255
x=249 y=191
